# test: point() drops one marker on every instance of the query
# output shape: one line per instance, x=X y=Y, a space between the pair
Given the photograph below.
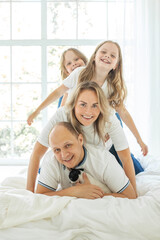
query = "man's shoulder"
x=50 y=158
x=50 y=163
x=97 y=151
x=49 y=155
x=97 y=159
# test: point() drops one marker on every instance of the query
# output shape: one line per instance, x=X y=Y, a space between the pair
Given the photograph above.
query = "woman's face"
x=87 y=108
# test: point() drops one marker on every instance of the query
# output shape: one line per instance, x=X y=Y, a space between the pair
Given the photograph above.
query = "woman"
x=89 y=111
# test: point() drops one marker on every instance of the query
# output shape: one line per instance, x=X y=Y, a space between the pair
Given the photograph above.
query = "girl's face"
x=72 y=61
x=86 y=107
x=107 y=56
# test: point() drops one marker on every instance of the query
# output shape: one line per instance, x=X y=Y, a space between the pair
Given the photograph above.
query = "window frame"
x=43 y=43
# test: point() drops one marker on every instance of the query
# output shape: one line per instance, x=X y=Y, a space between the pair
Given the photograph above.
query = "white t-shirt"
x=113 y=128
x=71 y=83
x=97 y=162
x=72 y=80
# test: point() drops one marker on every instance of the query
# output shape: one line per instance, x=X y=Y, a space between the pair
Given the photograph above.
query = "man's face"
x=67 y=149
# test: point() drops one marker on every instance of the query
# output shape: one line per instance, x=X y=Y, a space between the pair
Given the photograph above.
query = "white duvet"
x=24 y=215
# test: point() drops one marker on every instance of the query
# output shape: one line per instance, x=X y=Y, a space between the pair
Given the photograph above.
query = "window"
x=33 y=35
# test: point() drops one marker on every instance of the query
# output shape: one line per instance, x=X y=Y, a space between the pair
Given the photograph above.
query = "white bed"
x=25 y=216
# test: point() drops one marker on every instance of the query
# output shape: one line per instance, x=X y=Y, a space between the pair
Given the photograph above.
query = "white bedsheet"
x=25 y=216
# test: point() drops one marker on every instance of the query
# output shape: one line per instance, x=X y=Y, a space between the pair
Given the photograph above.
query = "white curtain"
x=147 y=72
x=142 y=74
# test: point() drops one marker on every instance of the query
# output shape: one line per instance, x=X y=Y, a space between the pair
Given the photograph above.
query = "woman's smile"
x=87 y=117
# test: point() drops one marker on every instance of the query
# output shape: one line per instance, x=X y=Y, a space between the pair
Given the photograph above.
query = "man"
x=70 y=154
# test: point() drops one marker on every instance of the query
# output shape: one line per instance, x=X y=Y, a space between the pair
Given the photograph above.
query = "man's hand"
x=87 y=190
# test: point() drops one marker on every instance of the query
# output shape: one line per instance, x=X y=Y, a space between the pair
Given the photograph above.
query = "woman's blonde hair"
x=117 y=91
x=99 y=124
x=79 y=54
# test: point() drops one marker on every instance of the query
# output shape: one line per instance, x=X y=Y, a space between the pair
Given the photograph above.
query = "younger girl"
x=70 y=60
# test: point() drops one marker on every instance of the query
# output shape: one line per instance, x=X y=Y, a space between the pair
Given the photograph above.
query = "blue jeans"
x=117 y=115
x=59 y=101
x=137 y=166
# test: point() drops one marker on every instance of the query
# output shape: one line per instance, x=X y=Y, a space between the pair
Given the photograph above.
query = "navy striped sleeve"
x=46 y=186
x=122 y=189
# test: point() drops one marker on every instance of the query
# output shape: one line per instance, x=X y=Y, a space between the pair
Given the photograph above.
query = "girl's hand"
x=31 y=117
x=144 y=148
x=106 y=137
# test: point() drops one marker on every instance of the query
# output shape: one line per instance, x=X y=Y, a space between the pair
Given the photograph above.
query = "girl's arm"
x=38 y=152
x=128 y=167
x=127 y=119
x=58 y=92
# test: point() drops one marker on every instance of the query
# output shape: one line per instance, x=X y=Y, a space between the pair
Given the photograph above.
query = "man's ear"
x=80 y=139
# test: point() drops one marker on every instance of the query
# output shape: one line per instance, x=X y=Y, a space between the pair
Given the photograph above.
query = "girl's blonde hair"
x=79 y=54
x=117 y=91
x=99 y=124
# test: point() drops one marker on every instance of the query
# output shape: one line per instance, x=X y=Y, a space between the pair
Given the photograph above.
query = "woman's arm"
x=58 y=92
x=119 y=140
x=38 y=152
x=127 y=119
x=128 y=167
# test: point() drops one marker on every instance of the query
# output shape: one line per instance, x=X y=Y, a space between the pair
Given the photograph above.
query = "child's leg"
x=117 y=115
x=59 y=101
x=137 y=166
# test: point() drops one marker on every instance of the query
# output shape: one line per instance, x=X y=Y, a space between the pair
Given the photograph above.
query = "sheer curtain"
x=147 y=72
x=139 y=38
